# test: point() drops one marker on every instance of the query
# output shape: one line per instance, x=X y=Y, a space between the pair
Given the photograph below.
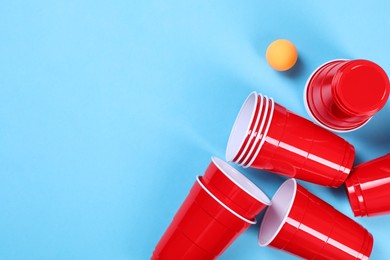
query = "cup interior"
x=241 y=181
x=241 y=126
x=276 y=215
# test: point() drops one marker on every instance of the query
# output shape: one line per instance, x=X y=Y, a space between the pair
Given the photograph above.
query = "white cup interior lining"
x=241 y=126
x=241 y=181
x=276 y=214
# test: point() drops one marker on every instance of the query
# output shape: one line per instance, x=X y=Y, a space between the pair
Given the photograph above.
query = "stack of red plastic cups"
x=223 y=203
x=267 y=136
x=220 y=206
x=368 y=187
x=302 y=224
x=343 y=95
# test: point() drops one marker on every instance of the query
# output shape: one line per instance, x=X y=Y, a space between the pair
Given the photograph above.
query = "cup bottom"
x=316 y=117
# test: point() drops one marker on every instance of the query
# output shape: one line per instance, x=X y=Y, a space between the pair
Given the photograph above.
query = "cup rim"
x=252 y=222
x=270 y=227
x=264 y=135
x=353 y=200
x=260 y=111
x=241 y=181
x=258 y=135
x=237 y=134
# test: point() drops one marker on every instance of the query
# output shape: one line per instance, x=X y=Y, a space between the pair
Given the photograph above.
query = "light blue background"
x=109 y=109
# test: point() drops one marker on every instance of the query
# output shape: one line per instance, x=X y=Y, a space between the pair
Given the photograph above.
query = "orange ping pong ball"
x=281 y=55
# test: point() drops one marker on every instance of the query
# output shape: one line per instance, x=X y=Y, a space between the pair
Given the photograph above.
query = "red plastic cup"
x=295 y=147
x=234 y=189
x=343 y=95
x=206 y=225
x=304 y=225
x=368 y=187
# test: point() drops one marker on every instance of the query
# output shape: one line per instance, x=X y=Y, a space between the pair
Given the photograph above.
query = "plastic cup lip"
x=352 y=199
x=243 y=122
x=241 y=181
x=282 y=201
x=259 y=132
x=263 y=138
x=355 y=195
x=260 y=103
x=308 y=110
x=252 y=222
